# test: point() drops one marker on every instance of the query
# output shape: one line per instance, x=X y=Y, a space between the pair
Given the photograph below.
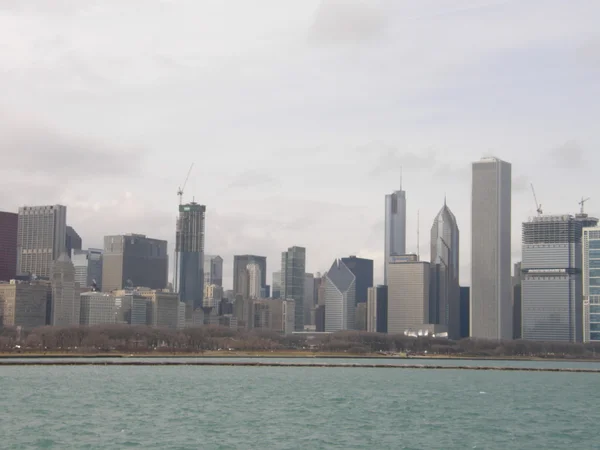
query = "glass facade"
x=591 y=284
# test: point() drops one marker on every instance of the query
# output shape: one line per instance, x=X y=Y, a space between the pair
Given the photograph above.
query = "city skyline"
x=430 y=111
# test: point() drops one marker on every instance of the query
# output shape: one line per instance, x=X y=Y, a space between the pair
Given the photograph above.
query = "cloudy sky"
x=297 y=115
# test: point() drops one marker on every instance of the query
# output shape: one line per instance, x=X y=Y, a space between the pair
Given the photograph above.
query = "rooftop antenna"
x=582 y=203
x=418 y=238
x=537 y=205
x=180 y=190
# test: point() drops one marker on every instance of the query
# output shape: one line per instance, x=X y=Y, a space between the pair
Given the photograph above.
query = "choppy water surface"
x=187 y=407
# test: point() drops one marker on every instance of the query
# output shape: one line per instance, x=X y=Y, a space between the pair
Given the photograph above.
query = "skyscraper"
x=276 y=285
x=24 y=303
x=551 y=295
x=309 y=298
x=254 y=280
x=395 y=227
x=444 y=291
x=66 y=302
x=213 y=270
x=134 y=260
x=363 y=271
x=189 y=256
x=72 y=241
x=408 y=294
x=240 y=264
x=9 y=223
x=293 y=265
x=40 y=238
x=340 y=298
x=88 y=267
x=591 y=284
x=491 y=286
x=377 y=309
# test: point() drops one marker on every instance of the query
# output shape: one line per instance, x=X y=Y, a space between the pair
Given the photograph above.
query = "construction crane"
x=180 y=190
x=537 y=205
x=582 y=203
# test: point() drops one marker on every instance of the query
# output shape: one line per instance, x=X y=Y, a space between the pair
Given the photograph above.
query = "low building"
x=98 y=308
x=24 y=303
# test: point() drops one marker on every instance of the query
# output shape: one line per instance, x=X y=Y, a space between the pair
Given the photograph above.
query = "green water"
x=96 y=407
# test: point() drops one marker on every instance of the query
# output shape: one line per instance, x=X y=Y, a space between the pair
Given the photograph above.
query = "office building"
x=395 y=227
x=309 y=298
x=408 y=294
x=377 y=309
x=9 y=223
x=24 y=303
x=363 y=272
x=276 y=285
x=88 y=268
x=591 y=284
x=72 y=241
x=517 y=301
x=444 y=304
x=240 y=265
x=340 y=298
x=41 y=236
x=551 y=285
x=465 y=313
x=98 y=308
x=66 y=300
x=163 y=308
x=132 y=307
x=134 y=260
x=320 y=318
x=274 y=315
x=293 y=265
x=491 y=287
x=360 y=316
x=189 y=256
x=213 y=270
x=254 y=278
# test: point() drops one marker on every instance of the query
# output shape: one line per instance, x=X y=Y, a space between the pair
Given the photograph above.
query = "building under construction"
x=552 y=307
x=189 y=256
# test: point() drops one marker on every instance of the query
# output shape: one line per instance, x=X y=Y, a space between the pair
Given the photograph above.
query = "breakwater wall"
x=286 y=364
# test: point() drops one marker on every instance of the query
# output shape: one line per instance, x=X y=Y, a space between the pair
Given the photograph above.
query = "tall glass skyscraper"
x=491 y=284
x=591 y=284
x=444 y=290
x=395 y=227
x=189 y=256
x=293 y=268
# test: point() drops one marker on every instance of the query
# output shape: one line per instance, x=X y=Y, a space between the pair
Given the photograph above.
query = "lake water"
x=187 y=407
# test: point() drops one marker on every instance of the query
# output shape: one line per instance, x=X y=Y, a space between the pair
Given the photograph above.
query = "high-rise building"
x=254 y=280
x=444 y=290
x=98 y=308
x=134 y=260
x=377 y=309
x=465 y=313
x=363 y=271
x=88 y=267
x=40 y=238
x=293 y=265
x=340 y=298
x=24 y=303
x=517 y=301
x=213 y=270
x=309 y=298
x=189 y=256
x=240 y=264
x=552 y=308
x=276 y=285
x=72 y=241
x=491 y=287
x=274 y=314
x=591 y=284
x=66 y=300
x=9 y=224
x=395 y=227
x=360 y=316
x=163 y=308
x=408 y=294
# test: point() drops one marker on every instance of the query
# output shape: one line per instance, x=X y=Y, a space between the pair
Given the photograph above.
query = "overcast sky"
x=297 y=115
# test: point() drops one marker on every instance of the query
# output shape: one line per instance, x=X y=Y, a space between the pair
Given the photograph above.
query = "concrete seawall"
x=285 y=364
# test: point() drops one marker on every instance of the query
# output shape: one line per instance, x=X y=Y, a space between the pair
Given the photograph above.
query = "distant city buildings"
x=9 y=224
x=293 y=266
x=377 y=309
x=24 y=303
x=517 y=302
x=66 y=302
x=362 y=269
x=340 y=298
x=72 y=241
x=134 y=260
x=276 y=285
x=98 y=308
x=491 y=286
x=309 y=298
x=213 y=270
x=240 y=272
x=40 y=238
x=254 y=280
x=88 y=267
x=395 y=227
x=591 y=284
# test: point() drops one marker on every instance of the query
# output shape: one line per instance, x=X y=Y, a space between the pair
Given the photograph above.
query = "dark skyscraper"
x=189 y=256
x=363 y=271
x=240 y=264
x=465 y=313
x=293 y=266
x=72 y=241
x=9 y=223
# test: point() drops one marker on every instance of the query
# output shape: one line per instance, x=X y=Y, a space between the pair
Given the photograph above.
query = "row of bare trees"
x=143 y=339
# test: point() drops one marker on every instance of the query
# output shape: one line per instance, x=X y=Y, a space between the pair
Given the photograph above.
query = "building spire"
x=444 y=199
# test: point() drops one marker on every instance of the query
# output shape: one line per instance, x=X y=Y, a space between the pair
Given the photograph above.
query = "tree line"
x=144 y=339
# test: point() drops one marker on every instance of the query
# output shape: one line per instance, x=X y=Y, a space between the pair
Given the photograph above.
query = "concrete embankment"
x=286 y=364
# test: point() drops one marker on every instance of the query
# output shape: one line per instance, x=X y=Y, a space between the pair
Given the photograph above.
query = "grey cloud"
x=347 y=21
x=251 y=179
x=567 y=156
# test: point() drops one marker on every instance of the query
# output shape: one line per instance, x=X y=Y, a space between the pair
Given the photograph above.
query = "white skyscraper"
x=254 y=280
x=340 y=298
x=491 y=287
x=395 y=227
